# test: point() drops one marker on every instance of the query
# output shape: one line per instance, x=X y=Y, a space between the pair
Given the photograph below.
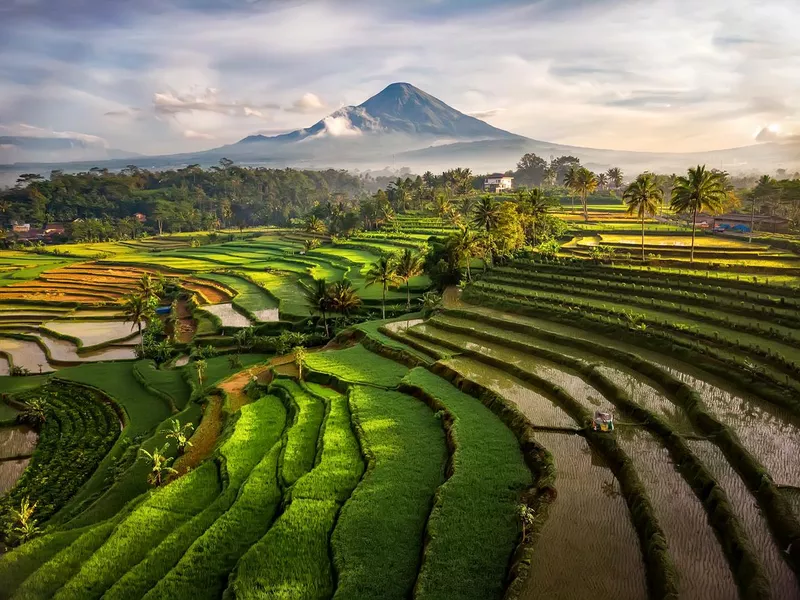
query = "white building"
x=497 y=182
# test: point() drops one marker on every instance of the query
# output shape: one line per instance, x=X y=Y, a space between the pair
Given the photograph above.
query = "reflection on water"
x=26 y=354
x=588 y=547
x=227 y=315
x=267 y=315
x=17 y=440
x=64 y=350
x=10 y=472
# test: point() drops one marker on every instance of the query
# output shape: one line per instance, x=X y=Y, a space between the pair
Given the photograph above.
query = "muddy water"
x=17 y=440
x=702 y=570
x=92 y=333
x=399 y=326
x=267 y=315
x=538 y=409
x=64 y=350
x=782 y=581
x=26 y=354
x=227 y=315
x=5 y=368
x=585 y=394
x=10 y=472
x=588 y=547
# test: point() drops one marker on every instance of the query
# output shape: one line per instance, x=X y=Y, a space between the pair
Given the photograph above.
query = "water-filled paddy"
x=17 y=440
x=66 y=351
x=92 y=333
x=26 y=354
x=588 y=547
x=781 y=579
x=537 y=408
x=702 y=569
x=10 y=472
x=227 y=315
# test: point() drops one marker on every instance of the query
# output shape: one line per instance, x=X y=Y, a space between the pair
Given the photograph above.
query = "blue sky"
x=160 y=76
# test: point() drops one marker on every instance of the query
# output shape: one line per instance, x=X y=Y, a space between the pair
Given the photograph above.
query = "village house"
x=497 y=182
x=742 y=222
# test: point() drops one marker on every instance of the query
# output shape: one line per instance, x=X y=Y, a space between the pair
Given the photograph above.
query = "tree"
x=34 y=412
x=137 y=310
x=571 y=183
x=531 y=170
x=602 y=181
x=643 y=196
x=149 y=288
x=343 y=297
x=535 y=204
x=313 y=224
x=486 y=213
x=464 y=246
x=159 y=464
x=319 y=298
x=200 y=367
x=765 y=189
x=299 y=356
x=698 y=190
x=180 y=434
x=614 y=175
x=384 y=272
x=442 y=205
x=24 y=525
x=409 y=264
x=585 y=185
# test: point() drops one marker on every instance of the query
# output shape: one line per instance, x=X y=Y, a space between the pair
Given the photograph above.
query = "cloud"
x=338 y=127
x=196 y=135
x=773 y=133
x=307 y=103
x=25 y=130
x=486 y=114
x=169 y=103
x=124 y=112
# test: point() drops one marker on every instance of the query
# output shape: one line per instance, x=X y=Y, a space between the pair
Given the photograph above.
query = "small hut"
x=603 y=421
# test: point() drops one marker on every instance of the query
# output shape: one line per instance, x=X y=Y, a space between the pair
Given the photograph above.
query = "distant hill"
x=22 y=149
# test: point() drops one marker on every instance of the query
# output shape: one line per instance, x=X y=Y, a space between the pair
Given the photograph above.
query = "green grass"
x=218 y=368
x=292 y=561
x=165 y=381
x=357 y=365
x=286 y=288
x=203 y=570
x=300 y=448
x=378 y=538
x=250 y=297
x=473 y=527
x=146 y=526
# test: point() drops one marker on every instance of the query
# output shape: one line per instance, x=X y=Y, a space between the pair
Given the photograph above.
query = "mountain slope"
x=399 y=109
x=14 y=148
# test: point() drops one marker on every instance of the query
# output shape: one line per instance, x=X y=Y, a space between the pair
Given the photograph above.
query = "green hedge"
x=300 y=446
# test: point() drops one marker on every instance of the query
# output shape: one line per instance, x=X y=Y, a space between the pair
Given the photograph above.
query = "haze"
x=157 y=77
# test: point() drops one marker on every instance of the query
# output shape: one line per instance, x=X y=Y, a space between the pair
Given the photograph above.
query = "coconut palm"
x=467 y=204
x=148 y=288
x=571 y=181
x=384 y=271
x=486 y=213
x=313 y=224
x=442 y=205
x=318 y=296
x=643 y=196
x=696 y=191
x=464 y=246
x=159 y=464
x=615 y=177
x=602 y=181
x=137 y=309
x=409 y=264
x=536 y=204
x=765 y=188
x=343 y=297
x=585 y=184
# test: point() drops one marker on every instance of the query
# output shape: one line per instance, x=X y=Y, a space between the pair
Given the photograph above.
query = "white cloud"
x=486 y=114
x=307 y=103
x=774 y=133
x=169 y=103
x=25 y=130
x=338 y=127
x=196 y=135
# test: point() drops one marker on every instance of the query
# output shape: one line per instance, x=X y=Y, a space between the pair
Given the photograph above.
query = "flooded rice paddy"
x=17 y=443
x=66 y=351
x=227 y=315
x=780 y=576
x=5 y=368
x=702 y=569
x=538 y=409
x=91 y=333
x=588 y=547
x=11 y=471
x=26 y=354
x=267 y=315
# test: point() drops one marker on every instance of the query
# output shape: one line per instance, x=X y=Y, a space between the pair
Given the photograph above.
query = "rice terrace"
x=418 y=390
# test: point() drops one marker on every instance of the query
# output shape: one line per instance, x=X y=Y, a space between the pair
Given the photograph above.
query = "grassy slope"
x=405 y=447
x=357 y=365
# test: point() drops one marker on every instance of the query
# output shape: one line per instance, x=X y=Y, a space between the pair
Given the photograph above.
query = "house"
x=21 y=227
x=54 y=229
x=741 y=223
x=497 y=182
x=140 y=217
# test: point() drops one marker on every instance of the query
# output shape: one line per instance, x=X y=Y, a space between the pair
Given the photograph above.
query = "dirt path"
x=204 y=439
x=186 y=324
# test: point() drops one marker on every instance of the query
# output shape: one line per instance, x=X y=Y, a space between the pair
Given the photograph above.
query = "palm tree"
x=464 y=245
x=299 y=356
x=764 y=189
x=643 y=197
x=602 y=181
x=136 y=309
x=536 y=204
x=486 y=213
x=384 y=272
x=615 y=177
x=343 y=297
x=698 y=190
x=571 y=182
x=409 y=265
x=313 y=224
x=148 y=288
x=318 y=296
x=585 y=184
x=467 y=203
x=180 y=434
x=442 y=205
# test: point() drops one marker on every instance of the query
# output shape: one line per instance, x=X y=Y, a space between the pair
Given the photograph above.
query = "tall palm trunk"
x=642 y=236
x=694 y=225
x=585 y=207
x=325 y=323
x=408 y=293
x=383 y=302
